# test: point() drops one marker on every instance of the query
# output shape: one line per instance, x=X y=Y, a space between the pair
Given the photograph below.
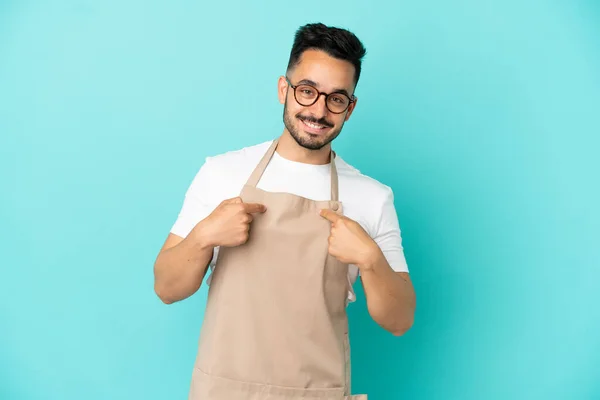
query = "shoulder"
x=354 y=182
x=237 y=159
x=367 y=200
x=371 y=203
x=222 y=175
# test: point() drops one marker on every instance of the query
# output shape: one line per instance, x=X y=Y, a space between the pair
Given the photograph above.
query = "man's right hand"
x=229 y=224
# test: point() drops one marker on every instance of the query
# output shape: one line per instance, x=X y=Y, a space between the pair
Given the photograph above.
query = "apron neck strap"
x=262 y=165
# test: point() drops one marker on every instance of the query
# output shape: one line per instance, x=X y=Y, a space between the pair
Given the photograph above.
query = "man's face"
x=315 y=126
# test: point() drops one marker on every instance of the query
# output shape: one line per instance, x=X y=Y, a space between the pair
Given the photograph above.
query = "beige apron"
x=275 y=326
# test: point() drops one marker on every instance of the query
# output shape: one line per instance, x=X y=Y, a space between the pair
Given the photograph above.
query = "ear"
x=351 y=109
x=282 y=87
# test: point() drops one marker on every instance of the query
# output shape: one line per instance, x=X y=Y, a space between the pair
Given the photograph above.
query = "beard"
x=306 y=139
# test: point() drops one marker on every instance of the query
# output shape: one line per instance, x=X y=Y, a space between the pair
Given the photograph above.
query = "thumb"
x=329 y=215
x=252 y=208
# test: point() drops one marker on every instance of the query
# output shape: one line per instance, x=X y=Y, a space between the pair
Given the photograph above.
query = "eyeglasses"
x=307 y=95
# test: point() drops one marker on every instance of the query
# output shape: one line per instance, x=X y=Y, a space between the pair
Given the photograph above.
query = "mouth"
x=314 y=128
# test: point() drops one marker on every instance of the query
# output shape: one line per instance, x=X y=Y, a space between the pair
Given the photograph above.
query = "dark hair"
x=338 y=43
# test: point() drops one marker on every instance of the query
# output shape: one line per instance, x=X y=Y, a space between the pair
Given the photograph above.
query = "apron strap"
x=262 y=166
x=334 y=179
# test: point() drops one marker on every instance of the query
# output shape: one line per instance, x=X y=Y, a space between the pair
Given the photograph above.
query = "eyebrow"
x=315 y=84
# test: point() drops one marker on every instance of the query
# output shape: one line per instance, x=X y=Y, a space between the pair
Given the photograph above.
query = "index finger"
x=251 y=208
x=329 y=215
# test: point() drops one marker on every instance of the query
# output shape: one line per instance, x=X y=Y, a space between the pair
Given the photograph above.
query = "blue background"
x=483 y=116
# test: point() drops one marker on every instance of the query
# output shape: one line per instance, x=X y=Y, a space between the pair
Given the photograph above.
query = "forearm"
x=179 y=270
x=390 y=297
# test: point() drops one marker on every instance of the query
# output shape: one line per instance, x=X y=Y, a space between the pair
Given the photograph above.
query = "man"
x=286 y=227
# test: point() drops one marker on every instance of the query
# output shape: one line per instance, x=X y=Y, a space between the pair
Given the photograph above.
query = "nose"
x=320 y=107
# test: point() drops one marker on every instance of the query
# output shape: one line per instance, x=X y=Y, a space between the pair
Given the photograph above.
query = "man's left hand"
x=348 y=241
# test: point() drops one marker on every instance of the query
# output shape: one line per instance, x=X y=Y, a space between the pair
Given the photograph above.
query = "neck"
x=288 y=148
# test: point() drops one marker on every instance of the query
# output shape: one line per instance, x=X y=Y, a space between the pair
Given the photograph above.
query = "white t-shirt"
x=364 y=199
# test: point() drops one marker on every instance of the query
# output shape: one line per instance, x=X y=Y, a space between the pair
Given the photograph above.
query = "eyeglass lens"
x=307 y=95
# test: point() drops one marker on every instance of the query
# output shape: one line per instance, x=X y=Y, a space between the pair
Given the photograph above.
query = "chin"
x=319 y=137
x=312 y=141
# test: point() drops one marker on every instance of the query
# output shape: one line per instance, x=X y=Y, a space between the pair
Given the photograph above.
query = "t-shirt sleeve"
x=198 y=202
x=389 y=236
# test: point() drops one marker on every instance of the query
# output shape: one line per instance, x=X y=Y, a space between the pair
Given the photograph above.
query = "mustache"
x=312 y=120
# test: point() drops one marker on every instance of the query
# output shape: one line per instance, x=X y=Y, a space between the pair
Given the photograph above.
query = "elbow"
x=401 y=330
x=403 y=324
x=396 y=322
x=170 y=294
x=163 y=295
x=396 y=326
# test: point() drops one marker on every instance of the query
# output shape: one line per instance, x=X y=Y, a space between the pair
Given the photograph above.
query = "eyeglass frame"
x=319 y=93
